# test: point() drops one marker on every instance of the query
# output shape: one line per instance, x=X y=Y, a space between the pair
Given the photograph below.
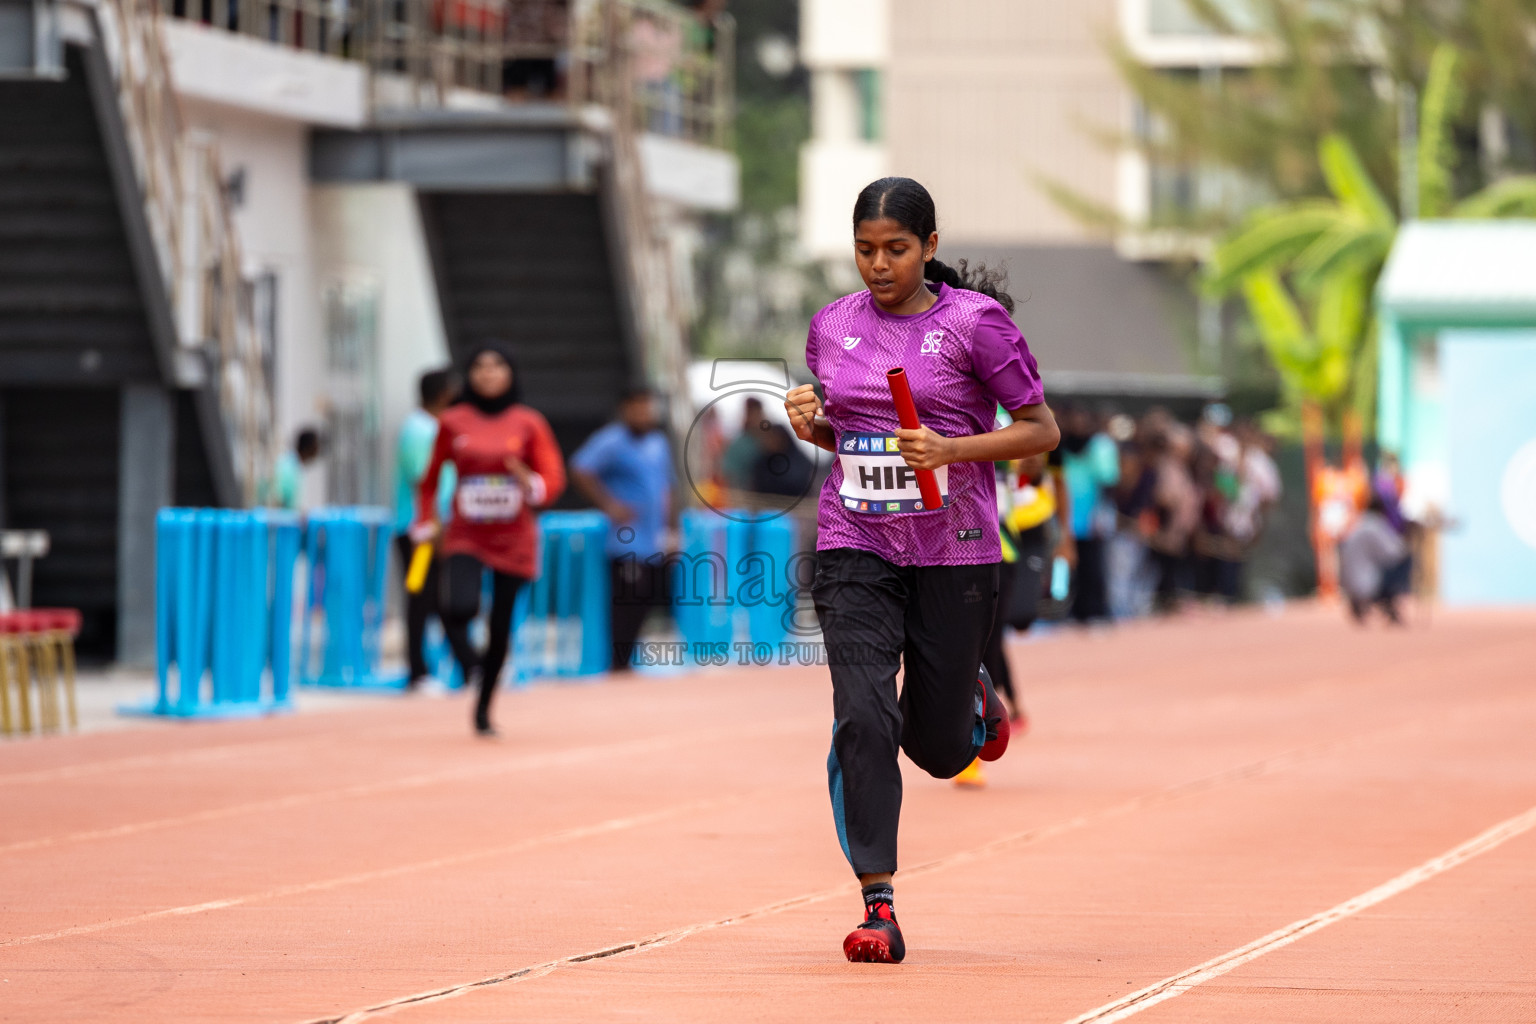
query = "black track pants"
x=459 y=603
x=875 y=616
x=419 y=607
x=996 y=657
x=637 y=585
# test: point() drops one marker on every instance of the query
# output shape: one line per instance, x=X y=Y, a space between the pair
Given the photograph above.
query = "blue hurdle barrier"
x=560 y=623
x=701 y=591
x=348 y=554
x=223 y=610
x=731 y=583
x=759 y=555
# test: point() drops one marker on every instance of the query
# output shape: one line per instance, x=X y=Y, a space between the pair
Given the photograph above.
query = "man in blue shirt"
x=625 y=468
x=412 y=453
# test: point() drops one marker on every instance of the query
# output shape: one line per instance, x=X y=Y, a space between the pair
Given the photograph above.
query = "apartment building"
x=994 y=105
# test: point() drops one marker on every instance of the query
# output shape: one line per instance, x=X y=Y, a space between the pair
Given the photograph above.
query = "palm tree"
x=1307 y=268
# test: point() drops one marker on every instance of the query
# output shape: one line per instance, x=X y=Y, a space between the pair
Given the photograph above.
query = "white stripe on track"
x=1178 y=984
x=548 y=759
x=451 y=860
x=85 y=769
x=1040 y=833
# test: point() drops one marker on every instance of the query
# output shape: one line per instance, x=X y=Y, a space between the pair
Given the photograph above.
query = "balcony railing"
x=679 y=64
x=193 y=230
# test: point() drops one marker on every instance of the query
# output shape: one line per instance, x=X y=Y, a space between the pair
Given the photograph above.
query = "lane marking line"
x=380 y=730
x=280 y=803
x=64 y=773
x=1040 y=833
x=451 y=860
x=1178 y=984
x=551 y=759
x=212 y=752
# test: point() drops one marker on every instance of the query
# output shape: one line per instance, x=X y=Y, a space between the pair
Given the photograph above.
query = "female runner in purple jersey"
x=897 y=583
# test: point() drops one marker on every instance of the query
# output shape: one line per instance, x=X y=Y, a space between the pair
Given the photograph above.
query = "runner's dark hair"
x=307 y=441
x=434 y=384
x=907 y=203
x=505 y=400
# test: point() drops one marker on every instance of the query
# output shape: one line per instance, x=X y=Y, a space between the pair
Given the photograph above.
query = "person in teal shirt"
x=413 y=451
x=1089 y=462
x=286 y=488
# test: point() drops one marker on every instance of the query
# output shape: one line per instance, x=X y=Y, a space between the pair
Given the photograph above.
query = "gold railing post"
x=7 y=727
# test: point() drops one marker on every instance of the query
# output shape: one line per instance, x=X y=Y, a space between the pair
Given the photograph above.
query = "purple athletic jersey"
x=963 y=357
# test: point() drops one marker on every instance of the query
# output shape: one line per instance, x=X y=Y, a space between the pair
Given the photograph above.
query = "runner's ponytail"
x=984 y=279
x=908 y=203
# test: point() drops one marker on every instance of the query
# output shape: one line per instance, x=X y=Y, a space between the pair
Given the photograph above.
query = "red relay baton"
x=906 y=415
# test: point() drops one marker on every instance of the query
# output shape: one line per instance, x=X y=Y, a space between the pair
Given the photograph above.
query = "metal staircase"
x=130 y=373
x=555 y=245
x=128 y=377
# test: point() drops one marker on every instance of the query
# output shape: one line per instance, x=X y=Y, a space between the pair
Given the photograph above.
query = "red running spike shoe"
x=877 y=940
x=996 y=716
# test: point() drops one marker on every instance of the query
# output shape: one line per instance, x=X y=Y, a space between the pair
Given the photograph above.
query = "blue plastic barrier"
x=759 y=556
x=223 y=610
x=731 y=583
x=348 y=554
x=561 y=620
x=701 y=602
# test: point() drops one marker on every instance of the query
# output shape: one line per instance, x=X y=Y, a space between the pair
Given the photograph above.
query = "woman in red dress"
x=509 y=465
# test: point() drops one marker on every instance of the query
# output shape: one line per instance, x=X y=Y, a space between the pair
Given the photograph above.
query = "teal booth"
x=1457 y=397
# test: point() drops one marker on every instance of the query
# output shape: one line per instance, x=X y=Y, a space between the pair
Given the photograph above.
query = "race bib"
x=877 y=480
x=490 y=499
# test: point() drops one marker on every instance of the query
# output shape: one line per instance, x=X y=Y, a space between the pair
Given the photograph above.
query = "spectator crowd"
x=1153 y=512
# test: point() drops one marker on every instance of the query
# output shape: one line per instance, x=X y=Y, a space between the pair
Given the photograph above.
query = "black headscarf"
x=502 y=402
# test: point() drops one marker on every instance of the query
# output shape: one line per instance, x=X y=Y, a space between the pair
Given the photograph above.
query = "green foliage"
x=1317 y=125
x=1512 y=197
x=755 y=292
x=1437 y=153
x=769 y=133
x=1272 y=237
x=1351 y=185
x=773 y=114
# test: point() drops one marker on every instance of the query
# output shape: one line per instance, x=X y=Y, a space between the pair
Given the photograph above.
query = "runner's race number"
x=490 y=499
x=877 y=480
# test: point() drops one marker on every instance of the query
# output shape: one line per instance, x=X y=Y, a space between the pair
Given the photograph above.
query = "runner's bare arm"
x=805 y=415
x=1032 y=431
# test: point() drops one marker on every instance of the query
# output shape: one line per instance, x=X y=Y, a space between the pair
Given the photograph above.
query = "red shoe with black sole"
x=877 y=940
x=996 y=717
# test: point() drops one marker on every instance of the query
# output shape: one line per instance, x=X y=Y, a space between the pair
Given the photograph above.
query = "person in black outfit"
x=439 y=389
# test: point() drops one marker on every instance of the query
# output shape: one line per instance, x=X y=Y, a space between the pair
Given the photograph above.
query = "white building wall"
x=688 y=174
x=838 y=40
x=990 y=100
x=831 y=175
x=272 y=220
x=250 y=74
x=844 y=33
x=373 y=233
x=258 y=103
x=990 y=103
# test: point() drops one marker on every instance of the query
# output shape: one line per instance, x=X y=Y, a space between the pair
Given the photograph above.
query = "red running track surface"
x=662 y=850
